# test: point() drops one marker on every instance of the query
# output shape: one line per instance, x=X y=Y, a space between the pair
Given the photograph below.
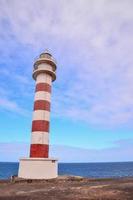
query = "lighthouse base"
x=38 y=168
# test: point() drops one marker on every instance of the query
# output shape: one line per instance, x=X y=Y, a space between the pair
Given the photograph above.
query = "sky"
x=92 y=98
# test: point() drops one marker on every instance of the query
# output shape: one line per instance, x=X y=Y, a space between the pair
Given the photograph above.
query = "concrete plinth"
x=38 y=168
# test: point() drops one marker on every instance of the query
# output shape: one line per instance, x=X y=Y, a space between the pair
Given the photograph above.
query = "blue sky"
x=92 y=98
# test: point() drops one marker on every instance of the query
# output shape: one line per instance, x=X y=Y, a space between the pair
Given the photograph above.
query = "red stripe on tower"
x=43 y=87
x=40 y=125
x=42 y=105
x=39 y=150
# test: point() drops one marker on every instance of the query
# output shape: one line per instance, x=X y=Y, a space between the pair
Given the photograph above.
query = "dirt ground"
x=64 y=188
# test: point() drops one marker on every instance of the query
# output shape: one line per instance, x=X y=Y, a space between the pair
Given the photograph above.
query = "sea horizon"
x=75 y=162
x=88 y=169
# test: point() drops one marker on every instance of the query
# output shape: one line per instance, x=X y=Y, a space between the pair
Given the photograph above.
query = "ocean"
x=93 y=170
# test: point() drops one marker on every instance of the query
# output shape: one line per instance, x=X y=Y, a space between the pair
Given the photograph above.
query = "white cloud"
x=92 y=41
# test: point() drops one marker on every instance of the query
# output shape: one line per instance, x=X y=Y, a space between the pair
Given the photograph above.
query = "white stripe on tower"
x=39 y=137
x=44 y=79
x=41 y=114
x=42 y=95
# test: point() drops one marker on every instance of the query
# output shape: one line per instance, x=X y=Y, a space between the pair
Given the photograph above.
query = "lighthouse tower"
x=39 y=165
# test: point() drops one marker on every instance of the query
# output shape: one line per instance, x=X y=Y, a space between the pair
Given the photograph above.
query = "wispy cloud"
x=12 y=106
x=122 y=151
x=16 y=150
x=92 y=41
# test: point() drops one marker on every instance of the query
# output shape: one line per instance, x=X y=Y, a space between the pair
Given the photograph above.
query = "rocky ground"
x=64 y=188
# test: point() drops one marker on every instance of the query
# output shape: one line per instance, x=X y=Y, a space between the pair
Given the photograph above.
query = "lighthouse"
x=39 y=165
